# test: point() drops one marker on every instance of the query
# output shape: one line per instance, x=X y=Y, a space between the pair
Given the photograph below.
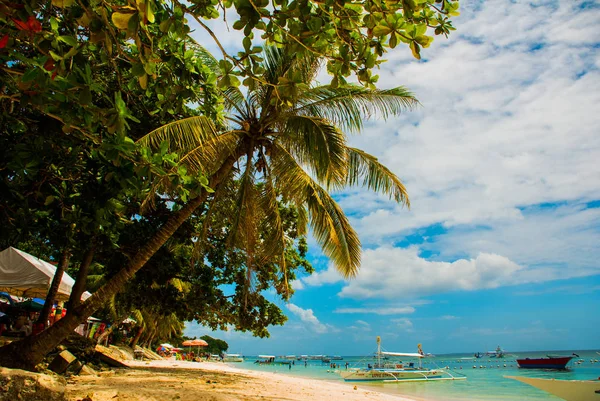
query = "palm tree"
x=288 y=140
x=285 y=141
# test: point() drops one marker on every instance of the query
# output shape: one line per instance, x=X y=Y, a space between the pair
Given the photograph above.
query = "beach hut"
x=25 y=275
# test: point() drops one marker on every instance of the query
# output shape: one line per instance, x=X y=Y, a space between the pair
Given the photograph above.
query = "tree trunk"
x=137 y=337
x=30 y=351
x=81 y=279
x=51 y=296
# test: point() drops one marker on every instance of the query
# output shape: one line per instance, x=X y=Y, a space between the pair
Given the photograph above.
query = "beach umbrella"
x=195 y=343
x=32 y=305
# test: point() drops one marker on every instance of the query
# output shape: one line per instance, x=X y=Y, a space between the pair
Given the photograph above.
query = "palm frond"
x=245 y=205
x=329 y=224
x=181 y=135
x=204 y=55
x=235 y=100
x=364 y=169
x=208 y=156
x=275 y=242
x=220 y=193
x=320 y=146
x=181 y=286
x=138 y=317
x=348 y=106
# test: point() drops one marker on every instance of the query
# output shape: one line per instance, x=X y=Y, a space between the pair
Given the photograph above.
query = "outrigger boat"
x=397 y=371
x=233 y=358
x=498 y=353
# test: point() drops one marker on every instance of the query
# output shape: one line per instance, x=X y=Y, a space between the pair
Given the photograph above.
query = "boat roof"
x=266 y=356
x=407 y=354
x=233 y=355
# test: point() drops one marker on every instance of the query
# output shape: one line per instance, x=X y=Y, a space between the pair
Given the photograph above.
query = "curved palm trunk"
x=51 y=296
x=29 y=352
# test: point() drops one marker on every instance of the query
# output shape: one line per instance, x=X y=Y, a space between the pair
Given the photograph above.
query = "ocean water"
x=485 y=376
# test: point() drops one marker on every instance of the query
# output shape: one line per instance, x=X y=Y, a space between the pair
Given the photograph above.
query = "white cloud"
x=448 y=317
x=567 y=289
x=388 y=272
x=328 y=276
x=403 y=324
x=297 y=285
x=384 y=310
x=509 y=122
x=308 y=317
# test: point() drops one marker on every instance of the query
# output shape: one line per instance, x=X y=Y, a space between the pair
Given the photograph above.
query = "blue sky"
x=502 y=243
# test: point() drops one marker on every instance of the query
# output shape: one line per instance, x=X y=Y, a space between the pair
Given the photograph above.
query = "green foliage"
x=215 y=345
x=83 y=83
x=286 y=136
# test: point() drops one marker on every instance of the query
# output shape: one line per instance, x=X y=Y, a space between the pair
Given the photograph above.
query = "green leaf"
x=416 y=50
x=138 y=70
x=121 y=20
x=150 y=12
x=420 y=30
x=62 y=3
x=54 y=24
x=393 y=41
x=70 y=40
x=381 y=30
x=164 y=26
x=424 y=41
x=315 y=24
x=85 y=97
x=30 y=75
x=49 y=200
x=143 y=80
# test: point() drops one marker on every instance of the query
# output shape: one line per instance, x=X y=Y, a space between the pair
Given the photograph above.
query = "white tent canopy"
x=25 y=275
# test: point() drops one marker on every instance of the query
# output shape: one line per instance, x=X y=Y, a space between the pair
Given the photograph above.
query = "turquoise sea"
x=485 y=376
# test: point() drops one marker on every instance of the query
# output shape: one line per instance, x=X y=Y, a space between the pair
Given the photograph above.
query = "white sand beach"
x=209 y=381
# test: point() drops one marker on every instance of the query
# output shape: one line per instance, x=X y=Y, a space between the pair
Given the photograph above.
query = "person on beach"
x=290 y=366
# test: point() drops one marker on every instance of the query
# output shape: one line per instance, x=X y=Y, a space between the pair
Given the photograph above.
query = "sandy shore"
x=209 y=381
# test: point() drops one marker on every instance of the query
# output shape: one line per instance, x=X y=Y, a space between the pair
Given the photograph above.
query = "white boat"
x=387 y=371
x=570 y=390
x=498 y=353
x=233 y=358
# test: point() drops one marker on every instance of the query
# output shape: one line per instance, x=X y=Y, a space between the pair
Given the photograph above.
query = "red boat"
x=550 y=362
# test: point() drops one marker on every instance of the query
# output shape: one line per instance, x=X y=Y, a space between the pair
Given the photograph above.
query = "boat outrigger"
x=570 y=390
x=387 y=371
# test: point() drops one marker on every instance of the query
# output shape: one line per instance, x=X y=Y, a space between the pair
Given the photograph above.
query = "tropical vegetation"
x=121 y=134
